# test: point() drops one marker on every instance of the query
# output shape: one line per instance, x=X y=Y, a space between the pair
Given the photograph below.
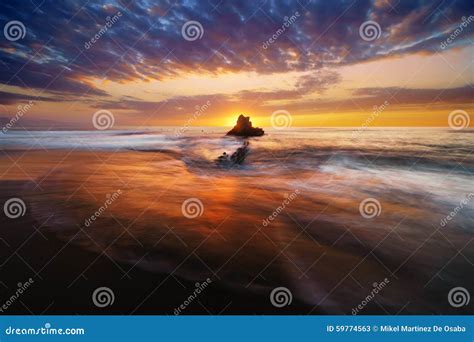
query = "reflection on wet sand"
x=319 y=246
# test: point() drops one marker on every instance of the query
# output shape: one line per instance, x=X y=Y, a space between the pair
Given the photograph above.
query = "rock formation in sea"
x=244 y=128
x=238 y=157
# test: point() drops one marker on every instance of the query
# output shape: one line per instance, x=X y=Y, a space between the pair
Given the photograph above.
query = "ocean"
x=328 y=213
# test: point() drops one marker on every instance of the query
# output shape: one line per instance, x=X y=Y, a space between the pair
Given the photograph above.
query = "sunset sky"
x=319 y=68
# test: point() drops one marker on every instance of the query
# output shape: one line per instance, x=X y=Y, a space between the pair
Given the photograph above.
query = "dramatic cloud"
x=11 y=98
x=69 y=45
x=427 y=96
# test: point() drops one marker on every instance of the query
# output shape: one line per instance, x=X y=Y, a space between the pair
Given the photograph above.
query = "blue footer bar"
x=237 y=328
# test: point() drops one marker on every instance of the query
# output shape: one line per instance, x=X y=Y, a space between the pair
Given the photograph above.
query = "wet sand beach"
x=290 y=216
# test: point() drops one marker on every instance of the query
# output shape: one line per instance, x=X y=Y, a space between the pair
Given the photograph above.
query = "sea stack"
x=244 y=128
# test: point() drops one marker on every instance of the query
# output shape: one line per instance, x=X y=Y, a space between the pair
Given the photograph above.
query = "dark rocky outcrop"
x=238 y=157
x=244 y=128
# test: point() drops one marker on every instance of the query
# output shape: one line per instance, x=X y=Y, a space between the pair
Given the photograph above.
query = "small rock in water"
x=244 y=128
x=238 y=157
